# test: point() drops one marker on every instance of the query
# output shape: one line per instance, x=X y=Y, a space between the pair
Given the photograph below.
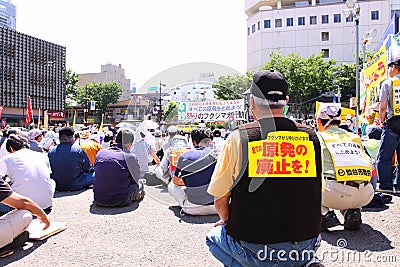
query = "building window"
x=248 y=30
x=325 y=19
x=350 y=18
x=278 y=23
x=258 y=25
x=289 y=22
x=325 y=53
x=253 y=28
x=324 y=36
x=336 y=18
x=301 y=21
x=267 y=24
x=375 y=15
x=313 y=20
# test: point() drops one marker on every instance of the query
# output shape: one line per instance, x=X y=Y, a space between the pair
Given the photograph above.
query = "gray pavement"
x=154 y=233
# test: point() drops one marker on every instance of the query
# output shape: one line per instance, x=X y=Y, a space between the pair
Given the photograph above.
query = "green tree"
x=232 y=86
x=71 y=85
x=171 y=111
x=307 y=77
x=345 y=79
x=103 y=93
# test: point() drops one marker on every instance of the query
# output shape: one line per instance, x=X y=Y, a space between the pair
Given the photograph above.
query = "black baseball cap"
x=395 y=61
x=69 y=131
x=269 y=84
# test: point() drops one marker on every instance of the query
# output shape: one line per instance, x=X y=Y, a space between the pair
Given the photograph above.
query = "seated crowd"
x=204 y=172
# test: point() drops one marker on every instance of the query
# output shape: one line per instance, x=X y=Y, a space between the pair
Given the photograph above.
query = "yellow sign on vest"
x=282 y=154
x=396 y=97
x=348 y=156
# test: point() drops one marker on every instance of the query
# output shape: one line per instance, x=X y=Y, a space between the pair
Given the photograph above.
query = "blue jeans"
x=5 y=208
x=390 y=142
x=83 y=182
x=232 y=252
x=133 y=190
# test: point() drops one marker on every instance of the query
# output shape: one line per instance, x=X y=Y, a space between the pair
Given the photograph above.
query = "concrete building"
x=7 y=15
x=311 y=27
x=30 y=67
x=200 y=89
x=109 y=73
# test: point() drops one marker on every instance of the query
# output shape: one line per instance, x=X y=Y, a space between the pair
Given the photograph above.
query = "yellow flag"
x=101 y=124
x=74 y=122
x=38 y=121
x=46 y=121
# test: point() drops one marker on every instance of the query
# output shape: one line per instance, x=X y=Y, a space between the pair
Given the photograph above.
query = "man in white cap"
x=35 y=137
x=346 y=170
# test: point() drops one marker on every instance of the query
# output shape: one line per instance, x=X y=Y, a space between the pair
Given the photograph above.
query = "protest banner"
x=282 y=154
x=211 y=110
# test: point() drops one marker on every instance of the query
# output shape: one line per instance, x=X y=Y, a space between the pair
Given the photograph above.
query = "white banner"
x=227 y=110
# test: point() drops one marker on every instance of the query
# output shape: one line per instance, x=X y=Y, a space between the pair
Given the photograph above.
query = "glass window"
x=324 y=36
x=337 y=18
x=258 y=25
x=267 y=24
x=248 y=30
x=313 y=20
x=289 y=22
x=301 y=21
x=278 y=23
x=325 y=53
x=325 y=19
x=350 y=18
x=375 y=15
x=253 y=28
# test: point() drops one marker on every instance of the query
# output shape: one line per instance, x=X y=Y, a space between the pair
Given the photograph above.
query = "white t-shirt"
x=29 y=171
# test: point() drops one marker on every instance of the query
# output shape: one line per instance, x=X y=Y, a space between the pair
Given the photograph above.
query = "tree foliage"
x=71 y=85
x=171 y=110
x=102 y=93
x=232 y=86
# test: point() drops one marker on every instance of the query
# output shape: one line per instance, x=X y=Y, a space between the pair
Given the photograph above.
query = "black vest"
x=280 y=209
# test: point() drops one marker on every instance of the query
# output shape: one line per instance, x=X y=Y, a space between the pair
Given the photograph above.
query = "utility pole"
x=160 y=103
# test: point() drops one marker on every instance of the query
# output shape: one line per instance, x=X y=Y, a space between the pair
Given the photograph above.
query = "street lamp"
x=160 y=103
x=354 y=11
x=366 y=40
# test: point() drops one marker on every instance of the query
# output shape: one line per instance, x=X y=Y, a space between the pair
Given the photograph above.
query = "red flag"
x=29 y=112
x=1 y=111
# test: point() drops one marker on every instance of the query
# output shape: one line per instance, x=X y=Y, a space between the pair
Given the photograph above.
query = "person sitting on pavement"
x=267 y=185
x=144 y=151
x=193 y=174
x=28 y=172
x=218 y=140
x=347 y=171
x=117 y=173
x=14 y=223
x=35 y=137
x=92 y=147
x=71 y=168
x=158 y=144
x=172 y=131
x=178 y=144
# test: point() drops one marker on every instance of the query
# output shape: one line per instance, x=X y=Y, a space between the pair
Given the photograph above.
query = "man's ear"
x=287 y=100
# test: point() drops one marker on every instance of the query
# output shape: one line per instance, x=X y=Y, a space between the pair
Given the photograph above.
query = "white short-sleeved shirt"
x=29 y=171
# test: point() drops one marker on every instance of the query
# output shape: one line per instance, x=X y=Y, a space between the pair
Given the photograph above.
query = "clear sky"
x=144 y=36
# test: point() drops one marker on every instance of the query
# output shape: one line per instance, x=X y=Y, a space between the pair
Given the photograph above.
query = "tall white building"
x=311 y=27
x=7 y=14
x=109 y=73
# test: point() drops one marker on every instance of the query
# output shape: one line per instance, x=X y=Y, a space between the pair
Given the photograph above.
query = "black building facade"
x=30 y=67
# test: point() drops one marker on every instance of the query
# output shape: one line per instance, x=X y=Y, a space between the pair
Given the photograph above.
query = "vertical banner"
x=46 y=121
x=92 y=105
x=29 y=112
x=396 y=97
x=101 y=124
x=74 y=121
x=1 y=111
x=38 y=122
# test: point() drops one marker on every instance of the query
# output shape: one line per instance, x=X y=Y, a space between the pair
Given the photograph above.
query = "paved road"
x=154 y=233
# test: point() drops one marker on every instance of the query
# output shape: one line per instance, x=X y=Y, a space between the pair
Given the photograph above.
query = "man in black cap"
x=267 y=185
x=70 y=166
x=390 y=141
